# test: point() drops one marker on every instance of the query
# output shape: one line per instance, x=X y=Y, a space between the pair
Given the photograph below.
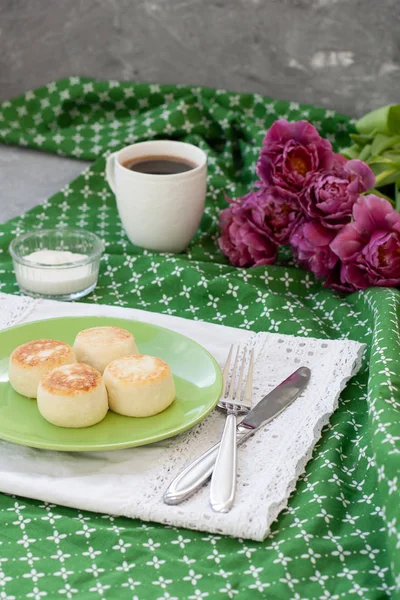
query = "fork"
x=234 y=401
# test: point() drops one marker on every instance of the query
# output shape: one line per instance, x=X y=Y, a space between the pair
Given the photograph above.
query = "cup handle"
x=110 y=171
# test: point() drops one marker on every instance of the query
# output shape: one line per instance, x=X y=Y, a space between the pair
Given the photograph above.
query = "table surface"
x=43 y=175
x=338 y=536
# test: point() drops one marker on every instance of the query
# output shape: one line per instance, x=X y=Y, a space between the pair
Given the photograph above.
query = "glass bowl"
x=69 y=279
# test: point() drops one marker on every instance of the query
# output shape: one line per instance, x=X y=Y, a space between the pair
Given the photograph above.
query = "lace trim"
x=132 y=482
x=14 y=309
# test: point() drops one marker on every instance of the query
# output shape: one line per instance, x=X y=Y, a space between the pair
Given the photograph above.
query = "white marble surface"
x=28 y=177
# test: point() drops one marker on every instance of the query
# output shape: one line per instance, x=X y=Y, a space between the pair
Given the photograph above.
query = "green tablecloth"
x=339 y=536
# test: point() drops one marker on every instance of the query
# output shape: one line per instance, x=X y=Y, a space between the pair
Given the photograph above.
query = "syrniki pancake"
x=139 y=386
x=72 y=396
x=30 y=361
x=98 y=346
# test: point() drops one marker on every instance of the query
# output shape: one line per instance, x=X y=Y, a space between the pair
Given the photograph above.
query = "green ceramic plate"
x=197 y=378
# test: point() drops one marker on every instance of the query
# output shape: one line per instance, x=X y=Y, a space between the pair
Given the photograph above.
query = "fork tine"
x=249 y=380
x=225 y=372
x=233 y=376
x=239 y=386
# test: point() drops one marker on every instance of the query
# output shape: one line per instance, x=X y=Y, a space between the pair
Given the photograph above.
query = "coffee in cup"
x=160 y=188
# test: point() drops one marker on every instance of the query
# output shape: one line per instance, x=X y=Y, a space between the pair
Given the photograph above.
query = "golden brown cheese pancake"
x=73 y=396
x=30 y=361
x=139 y=385
x=98 y=346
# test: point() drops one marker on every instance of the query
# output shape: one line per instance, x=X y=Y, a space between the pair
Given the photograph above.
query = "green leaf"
x=380 y=160
x=357 y=138
x=386 y=160
x=384 y=120
x=383 y=142
x=392 y=155
x=365 y=153
x=386 y=177
x=351 y=152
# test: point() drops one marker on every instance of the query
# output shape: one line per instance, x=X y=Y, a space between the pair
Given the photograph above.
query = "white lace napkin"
x=132 y=482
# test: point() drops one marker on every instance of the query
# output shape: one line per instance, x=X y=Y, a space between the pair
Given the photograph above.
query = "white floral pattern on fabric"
x=339 y=536
x=131 y=483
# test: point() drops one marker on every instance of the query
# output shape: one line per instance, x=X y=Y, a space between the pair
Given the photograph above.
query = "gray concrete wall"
x=342 y=54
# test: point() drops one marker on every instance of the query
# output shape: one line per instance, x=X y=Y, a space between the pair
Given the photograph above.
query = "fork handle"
x=198 y=472
x=223 y=480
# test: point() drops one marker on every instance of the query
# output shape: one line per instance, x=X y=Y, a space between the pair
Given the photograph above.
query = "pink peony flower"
x=290 y=151
x=310 y=245
x=241 y=241
x=329 y=196
x=274 y=212
x=339 y=160
x=369 y=247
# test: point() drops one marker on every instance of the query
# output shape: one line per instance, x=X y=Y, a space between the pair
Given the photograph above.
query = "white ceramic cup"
x=159 y=212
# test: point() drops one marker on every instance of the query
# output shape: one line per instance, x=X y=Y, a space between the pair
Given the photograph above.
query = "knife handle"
x=192 y=477
x=196 y=473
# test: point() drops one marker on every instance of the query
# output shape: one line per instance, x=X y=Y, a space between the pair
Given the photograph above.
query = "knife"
x=272 y=405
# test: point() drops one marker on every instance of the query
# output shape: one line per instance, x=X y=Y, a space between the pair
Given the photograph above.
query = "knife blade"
x=272 y=405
